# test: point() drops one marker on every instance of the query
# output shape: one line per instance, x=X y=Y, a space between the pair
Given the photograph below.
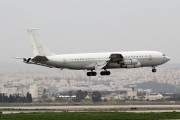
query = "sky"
x=80 y=26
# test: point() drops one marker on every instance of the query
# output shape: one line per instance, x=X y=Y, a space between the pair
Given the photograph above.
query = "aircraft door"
x=151 y=60
x=150 y=57
x=64 y=61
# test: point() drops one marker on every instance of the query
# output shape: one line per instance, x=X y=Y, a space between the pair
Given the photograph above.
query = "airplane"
x=91 y=61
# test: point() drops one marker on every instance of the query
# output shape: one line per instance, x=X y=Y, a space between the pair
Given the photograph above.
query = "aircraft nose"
x=167 y=58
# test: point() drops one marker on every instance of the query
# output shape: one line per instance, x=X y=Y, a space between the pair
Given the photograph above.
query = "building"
x=168 y=95
x=9 y=91
x=153 y=96
x=24 y=91
x=132 y=95
x=36 y=91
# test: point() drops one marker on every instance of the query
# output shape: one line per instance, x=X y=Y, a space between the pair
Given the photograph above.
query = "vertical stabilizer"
x=39 y=48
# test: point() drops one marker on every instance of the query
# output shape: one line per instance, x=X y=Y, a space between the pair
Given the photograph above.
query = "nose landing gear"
x=154 y=69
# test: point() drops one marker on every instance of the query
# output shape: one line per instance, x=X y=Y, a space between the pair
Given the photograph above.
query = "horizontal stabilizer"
x=40 y=59
x=17 y=57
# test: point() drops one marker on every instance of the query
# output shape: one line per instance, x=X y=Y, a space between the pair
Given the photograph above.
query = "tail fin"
x=38 y=47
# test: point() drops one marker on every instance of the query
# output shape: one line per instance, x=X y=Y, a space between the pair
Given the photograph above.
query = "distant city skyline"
x=88 y=26
x=165 y=80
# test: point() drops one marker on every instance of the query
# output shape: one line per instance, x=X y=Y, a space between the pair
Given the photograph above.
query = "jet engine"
x=129 y=62
x=131 y=66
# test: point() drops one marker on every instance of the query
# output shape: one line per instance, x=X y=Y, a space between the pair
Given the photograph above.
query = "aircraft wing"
x=114 y=58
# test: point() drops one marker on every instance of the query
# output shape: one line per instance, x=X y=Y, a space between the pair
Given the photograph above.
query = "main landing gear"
x=102 y=73
x=105 y=73
x=154 y=69
x=91 y=73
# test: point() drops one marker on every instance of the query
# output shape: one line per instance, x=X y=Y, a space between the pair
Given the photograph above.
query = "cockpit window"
x=163 y=55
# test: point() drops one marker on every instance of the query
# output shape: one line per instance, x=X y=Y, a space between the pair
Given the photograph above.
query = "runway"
x=139 y=111
x=91 y=107
x=98 y=108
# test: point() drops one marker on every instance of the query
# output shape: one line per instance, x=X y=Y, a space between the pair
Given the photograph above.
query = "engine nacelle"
x=131 y=66
x=129 y=62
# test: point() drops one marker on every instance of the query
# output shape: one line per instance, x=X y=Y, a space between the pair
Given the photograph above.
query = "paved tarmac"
x=138 y=111
x=98 y=108
x=91 y=107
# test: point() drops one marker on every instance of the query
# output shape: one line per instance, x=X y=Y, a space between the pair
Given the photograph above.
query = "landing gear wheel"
x=154 y=70
x=108 y=72
x=105 y=73
x=88 y=73
x=91 y=74
x=102 y=73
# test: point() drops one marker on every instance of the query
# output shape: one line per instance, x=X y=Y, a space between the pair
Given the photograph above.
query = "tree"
x=85 y=93
x=5 y=99
x=44 y=91
x=105 y=100
x=10 y=98
x=80 y=95
x=70 y=93
x=96 y=96
x=17 y=98
x=29 y=97
x=0 y=97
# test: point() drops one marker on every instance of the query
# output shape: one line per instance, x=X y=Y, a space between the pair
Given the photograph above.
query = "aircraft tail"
x=39 y=48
